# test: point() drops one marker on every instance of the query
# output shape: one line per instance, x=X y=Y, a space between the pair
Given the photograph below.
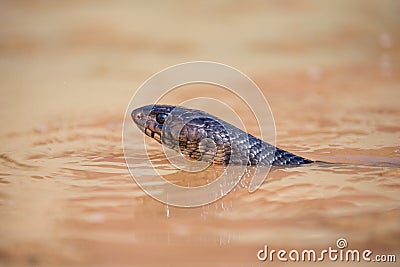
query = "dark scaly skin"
x=187 y=129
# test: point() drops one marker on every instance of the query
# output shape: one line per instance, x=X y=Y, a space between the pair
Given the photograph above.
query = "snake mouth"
x=153 y=134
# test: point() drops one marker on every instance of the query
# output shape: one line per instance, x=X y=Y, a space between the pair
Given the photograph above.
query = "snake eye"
x=160 y=118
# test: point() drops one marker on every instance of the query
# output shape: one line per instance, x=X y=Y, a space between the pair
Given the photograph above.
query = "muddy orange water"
x=330 y=71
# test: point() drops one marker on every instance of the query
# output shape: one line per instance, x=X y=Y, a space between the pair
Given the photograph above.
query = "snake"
x=200 y=136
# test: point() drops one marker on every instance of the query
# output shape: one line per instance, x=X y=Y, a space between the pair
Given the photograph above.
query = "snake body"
x=203 y=137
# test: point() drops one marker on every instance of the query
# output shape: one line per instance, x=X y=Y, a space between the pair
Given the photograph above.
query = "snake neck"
x=207 y=139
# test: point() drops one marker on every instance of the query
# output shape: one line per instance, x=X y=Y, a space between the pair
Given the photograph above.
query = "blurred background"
x=329 y=69
x=67 y=57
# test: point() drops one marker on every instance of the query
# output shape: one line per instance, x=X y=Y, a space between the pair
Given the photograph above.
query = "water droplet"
x=167 y=210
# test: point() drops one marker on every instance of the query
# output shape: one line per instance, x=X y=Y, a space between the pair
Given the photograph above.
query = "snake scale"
x=201 y=136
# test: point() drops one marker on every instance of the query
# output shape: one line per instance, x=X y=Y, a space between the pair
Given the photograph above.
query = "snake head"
x=150 y=119
x=194 y=133
x=166 y=123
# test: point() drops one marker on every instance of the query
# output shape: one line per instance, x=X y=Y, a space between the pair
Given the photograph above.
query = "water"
x=67 y=198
